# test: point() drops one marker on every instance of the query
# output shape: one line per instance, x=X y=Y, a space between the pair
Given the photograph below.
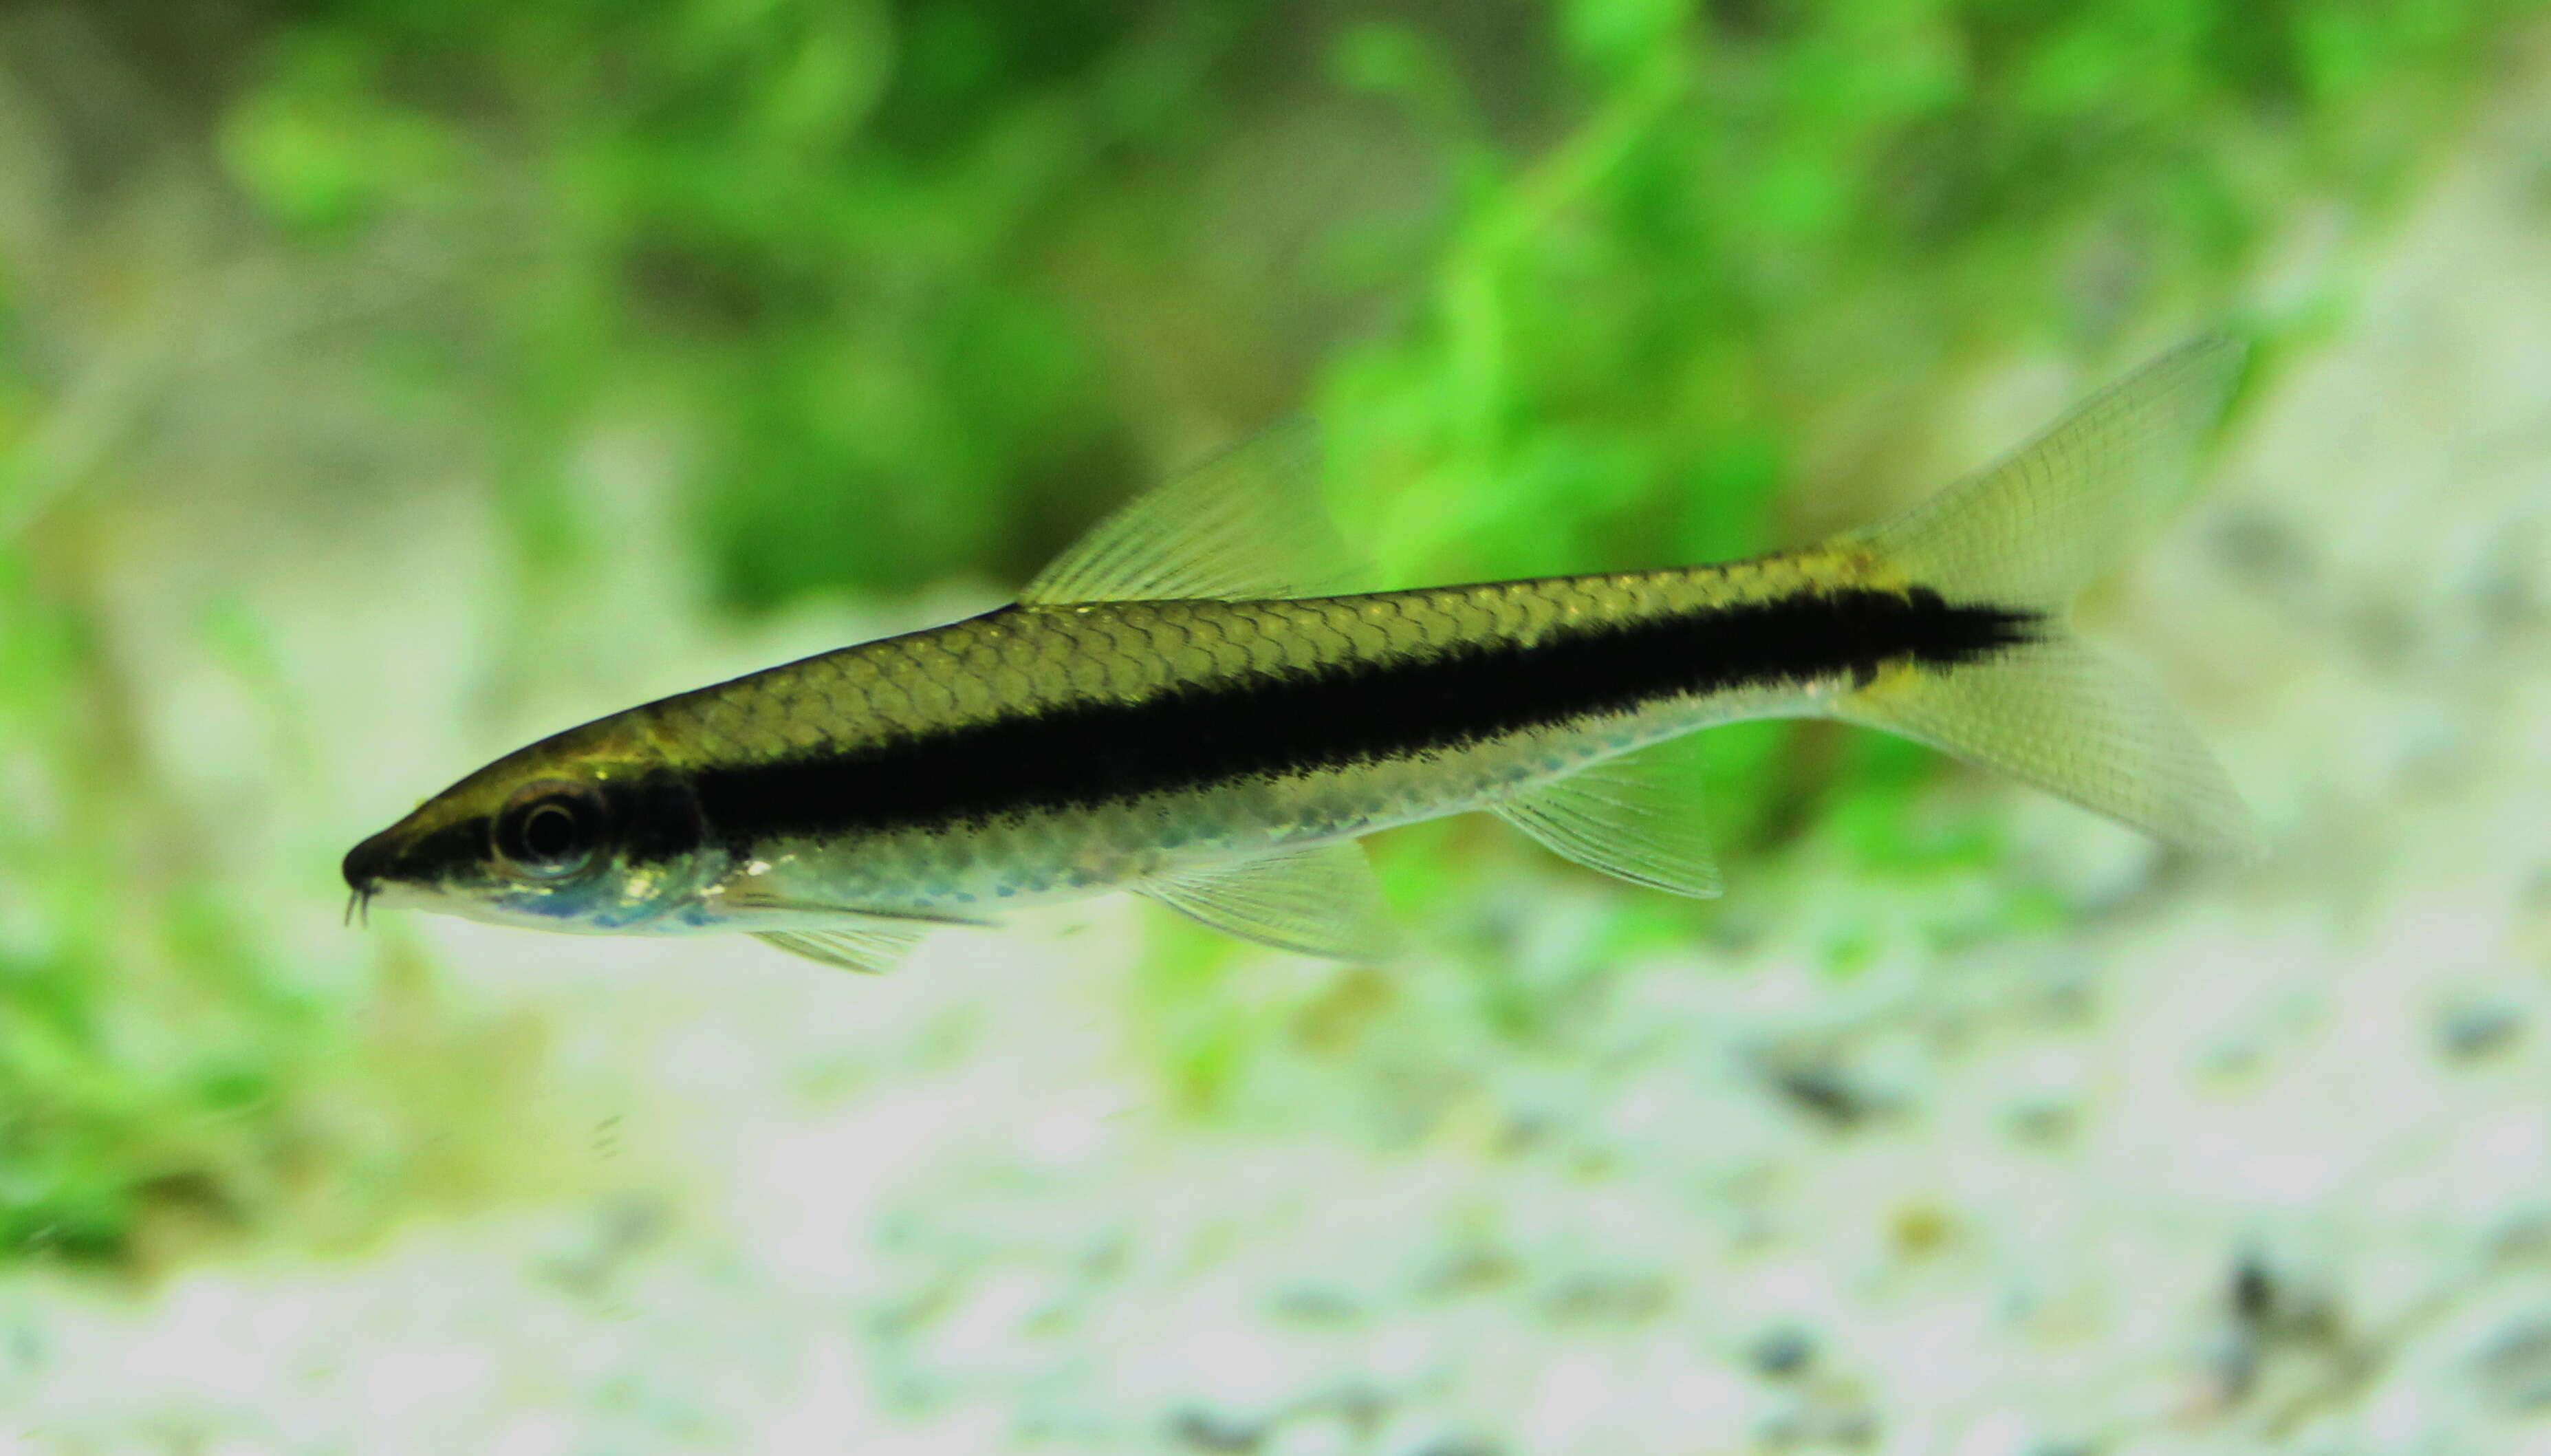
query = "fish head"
x=554 y=837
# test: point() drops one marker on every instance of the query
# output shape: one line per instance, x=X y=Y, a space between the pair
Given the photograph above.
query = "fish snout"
x=368 y=864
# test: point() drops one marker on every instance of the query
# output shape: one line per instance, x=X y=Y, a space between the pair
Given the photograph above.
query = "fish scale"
x=1125 y=653
x=1061 y=656
x=1187 y=704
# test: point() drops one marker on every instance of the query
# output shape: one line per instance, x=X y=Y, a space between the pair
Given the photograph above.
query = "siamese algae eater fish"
x=1203 y=702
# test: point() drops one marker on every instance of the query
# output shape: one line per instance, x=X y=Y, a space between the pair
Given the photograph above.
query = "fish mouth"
x=367 y=867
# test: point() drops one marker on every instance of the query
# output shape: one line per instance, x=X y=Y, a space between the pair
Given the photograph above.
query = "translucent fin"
x=1637 y=816
x=1322 y=901
x=871 y=950
x=2028 y=534
x=756 y=901
x=1246 y=523
x=2035 y=529
x=2056 y=715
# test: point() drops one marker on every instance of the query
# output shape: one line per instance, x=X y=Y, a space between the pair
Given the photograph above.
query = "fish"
x=1206 y=702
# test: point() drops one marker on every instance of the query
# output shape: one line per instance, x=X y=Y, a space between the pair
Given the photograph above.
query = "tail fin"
x=2029 y=534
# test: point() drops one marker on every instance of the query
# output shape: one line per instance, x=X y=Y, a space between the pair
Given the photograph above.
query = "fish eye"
x=549 y=829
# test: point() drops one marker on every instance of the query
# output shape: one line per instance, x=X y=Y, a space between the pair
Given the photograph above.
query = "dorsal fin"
x=1246 y=523
x=1319 y=901
x=1637 y=816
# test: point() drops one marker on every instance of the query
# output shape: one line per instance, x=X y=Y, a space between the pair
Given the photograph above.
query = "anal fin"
x=1318 y=901
x=1637 y=816
x=868 y=950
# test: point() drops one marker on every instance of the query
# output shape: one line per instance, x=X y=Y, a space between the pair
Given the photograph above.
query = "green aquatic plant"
x=925 y=287
x=169 y=1073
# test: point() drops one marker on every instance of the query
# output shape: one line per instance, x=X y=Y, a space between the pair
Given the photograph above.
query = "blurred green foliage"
x=166 y=1075
x=1574 y=283
x=1565 y=278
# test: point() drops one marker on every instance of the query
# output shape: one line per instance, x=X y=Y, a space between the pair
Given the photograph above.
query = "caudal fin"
x=2028 y=534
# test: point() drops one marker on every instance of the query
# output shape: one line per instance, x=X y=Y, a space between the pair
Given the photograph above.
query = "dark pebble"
x=1204 y=1431
x=2515 y=1365
x=1784 y=1352
x=2470 y=1032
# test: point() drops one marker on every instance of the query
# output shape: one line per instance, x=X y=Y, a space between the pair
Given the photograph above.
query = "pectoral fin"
x=1637 y=816
x=755 y=902
x=868 y=950
x=1246 y=523
x=1322 y=901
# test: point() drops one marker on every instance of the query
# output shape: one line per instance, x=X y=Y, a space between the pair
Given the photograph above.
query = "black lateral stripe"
x=1347 y=713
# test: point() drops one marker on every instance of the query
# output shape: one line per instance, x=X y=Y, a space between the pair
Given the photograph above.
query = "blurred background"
x=384 y=384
